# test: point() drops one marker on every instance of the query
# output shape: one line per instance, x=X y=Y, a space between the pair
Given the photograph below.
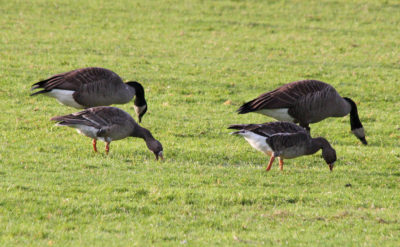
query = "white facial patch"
x=65 y=97
x=359 y=132
x=139 y=109
x=279 y=114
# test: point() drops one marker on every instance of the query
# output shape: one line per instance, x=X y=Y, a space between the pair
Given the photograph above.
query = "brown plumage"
x=90 y=87
x=305 y=102
x=284 y=140
x=108 y=124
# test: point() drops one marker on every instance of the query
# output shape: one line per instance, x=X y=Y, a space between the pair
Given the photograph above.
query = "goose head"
x=156 y=147
x=360 y=134
x=329 y=155
x=140 y=111
x=356 y=126
x=140 y=103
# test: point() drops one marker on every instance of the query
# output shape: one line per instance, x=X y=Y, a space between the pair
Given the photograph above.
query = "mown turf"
x=199 y=61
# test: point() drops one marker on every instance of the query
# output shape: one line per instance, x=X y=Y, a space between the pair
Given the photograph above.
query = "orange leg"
x=107 y=147
x=281 y=163
x=94 y=145
x=270 y=162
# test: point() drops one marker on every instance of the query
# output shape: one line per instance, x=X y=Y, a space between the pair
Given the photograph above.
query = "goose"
x=108 y=124
x=284 y=140
x=89 y=87
x=305 y=102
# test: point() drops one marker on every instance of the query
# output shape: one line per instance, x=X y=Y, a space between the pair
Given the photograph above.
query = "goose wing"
x=285 y=96
x=281 y=141
x=109 y=121
x=258 y=129
x=118 y=123
x=268 y=129
x=86 y=117
x=73 y=80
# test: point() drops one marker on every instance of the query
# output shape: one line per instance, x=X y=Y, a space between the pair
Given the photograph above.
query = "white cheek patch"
x=65 y=97
x=139 y=109
x=359 y=132
x=279 y=114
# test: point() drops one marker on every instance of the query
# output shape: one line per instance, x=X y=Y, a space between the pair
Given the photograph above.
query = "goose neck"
x=317 y=144
x=137 y=89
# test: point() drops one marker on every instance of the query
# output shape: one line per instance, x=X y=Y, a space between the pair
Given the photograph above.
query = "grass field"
x=199 y=61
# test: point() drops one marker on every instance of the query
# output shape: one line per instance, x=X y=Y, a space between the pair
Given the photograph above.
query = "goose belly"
x=94 y=100
x=65 y=97
x=292 y=152
x=86 y=130
x=320 y=107
x=279 y=114
x=256 y=141
x=91 y=96
x=318 y=115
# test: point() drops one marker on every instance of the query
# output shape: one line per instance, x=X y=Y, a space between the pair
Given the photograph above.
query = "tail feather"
x=237 y=132
x=39 y=92
x=246 y=108
x=71 y=119
x=237 y=126
x=39 y=84
x=62 y=123
x=69 y=122
x=58 y=118
x=62 y=118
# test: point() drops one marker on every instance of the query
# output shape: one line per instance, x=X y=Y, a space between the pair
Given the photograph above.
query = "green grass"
x=192 y=56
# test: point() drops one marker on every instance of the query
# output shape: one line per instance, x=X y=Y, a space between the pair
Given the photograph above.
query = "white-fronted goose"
x=305 y=102
x=284 y=140
x=108 y=124
x=90 y=87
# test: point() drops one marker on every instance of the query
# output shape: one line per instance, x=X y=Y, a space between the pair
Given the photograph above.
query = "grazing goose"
x=89 y=87
x=108 y=124
x=284 y=140
x=305 y=102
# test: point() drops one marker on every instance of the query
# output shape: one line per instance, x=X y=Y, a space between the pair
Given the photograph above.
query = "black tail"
x=58 y=118
x=39 y=92
x=237 y=126
x=246 y=108
x=40 y=84
x=66 y=121
x=237 y=132
x=37 y=85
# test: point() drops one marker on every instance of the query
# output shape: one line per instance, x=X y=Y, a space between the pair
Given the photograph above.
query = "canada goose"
x=305 y=102
x=284 y=140
x=108 y=124
x=89 y=87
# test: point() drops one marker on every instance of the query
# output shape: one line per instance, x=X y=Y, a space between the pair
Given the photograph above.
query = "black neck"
x=139 y=93
x=142 y=133
x=317 y=144
x=354 y=119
